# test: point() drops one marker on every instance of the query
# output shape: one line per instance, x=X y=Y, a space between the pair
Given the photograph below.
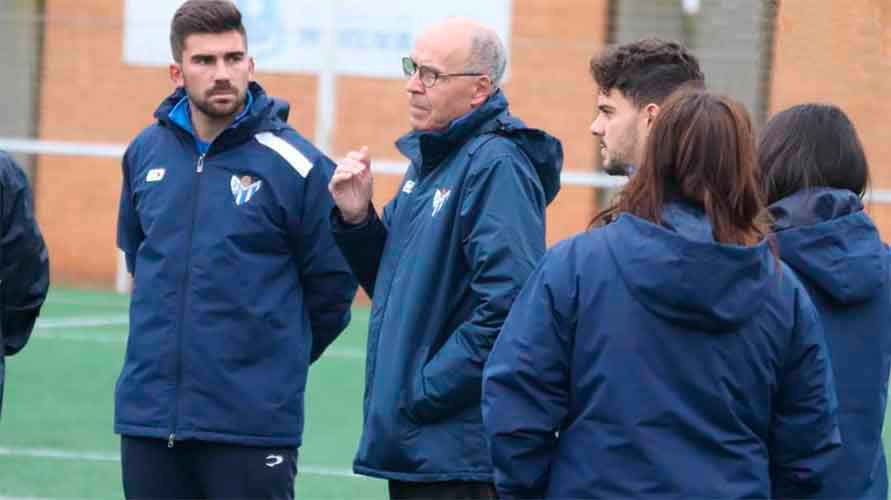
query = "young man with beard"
x=634 y=80
x=238 y=284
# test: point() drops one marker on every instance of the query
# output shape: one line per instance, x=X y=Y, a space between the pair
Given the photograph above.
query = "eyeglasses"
x=426 y=74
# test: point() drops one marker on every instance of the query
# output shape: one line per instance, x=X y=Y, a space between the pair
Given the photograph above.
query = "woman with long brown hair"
x=666 y=352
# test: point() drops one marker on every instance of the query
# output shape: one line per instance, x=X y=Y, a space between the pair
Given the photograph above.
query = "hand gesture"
x=351 y=186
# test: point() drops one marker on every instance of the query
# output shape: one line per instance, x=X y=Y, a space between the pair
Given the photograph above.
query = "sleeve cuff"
x=338 y=225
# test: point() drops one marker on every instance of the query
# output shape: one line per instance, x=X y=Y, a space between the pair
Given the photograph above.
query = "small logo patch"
x=155 y=175
x=273 y=460
x=439 y=199
x=408 y=187
x=244 y=188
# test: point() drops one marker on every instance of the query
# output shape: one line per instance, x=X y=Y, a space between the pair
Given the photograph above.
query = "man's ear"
x=652 y=109
x=176 y=75
x=481 y=91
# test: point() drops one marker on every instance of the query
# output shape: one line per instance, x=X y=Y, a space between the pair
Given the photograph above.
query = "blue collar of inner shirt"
x=181 y=114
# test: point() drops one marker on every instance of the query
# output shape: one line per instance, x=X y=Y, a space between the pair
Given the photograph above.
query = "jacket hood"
x=827 y=238
x=266 y=113
x=678 y=271
x=545 y=152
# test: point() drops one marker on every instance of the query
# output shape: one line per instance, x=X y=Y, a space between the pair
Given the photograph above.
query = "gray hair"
x=487 y=56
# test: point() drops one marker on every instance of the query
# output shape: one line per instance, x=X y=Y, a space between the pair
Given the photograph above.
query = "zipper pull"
x=172 y=436
x=200 y=164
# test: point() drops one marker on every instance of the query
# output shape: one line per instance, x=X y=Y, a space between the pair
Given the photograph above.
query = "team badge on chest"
x=244 y=188
x=439 y=199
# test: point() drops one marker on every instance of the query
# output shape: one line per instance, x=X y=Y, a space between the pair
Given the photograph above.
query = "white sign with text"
x=351 y=37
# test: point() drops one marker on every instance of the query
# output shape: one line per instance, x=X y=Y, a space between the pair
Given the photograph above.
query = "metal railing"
x=568 y=177
x=65 y=148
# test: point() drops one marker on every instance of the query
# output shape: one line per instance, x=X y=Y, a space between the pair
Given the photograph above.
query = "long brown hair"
x=701 y=150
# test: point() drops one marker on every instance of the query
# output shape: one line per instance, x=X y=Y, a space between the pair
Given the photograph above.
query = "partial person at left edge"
x=24 y=263
x=238 y=284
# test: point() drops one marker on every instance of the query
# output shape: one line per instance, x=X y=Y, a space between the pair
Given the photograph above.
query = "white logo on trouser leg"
x=273 y=460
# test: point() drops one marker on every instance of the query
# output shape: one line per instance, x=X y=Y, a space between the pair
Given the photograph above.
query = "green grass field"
x=56 y=438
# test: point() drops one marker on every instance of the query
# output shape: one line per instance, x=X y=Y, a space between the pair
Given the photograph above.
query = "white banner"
x=351 y=37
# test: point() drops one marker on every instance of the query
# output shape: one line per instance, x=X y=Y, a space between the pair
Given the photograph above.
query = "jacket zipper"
x=199 y=168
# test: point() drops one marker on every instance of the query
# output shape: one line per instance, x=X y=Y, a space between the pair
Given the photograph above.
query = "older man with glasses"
x=444 y=261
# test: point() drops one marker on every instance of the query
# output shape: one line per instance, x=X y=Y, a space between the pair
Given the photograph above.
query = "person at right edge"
x=667 y=352
x=444 y=262
x=814 y=173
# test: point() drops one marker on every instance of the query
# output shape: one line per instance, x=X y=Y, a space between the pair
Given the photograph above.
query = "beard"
x=618 y=167
x=218 y=111
x=618 y=163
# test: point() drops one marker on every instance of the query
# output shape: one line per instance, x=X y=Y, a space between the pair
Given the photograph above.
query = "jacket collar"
x=263 y=113
x=181 y=115
x=428 y=149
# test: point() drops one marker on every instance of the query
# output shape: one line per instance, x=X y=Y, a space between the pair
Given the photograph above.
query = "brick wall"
x=88 y=94
x=838 y=52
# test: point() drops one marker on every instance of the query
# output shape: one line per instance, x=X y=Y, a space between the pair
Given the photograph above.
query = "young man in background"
x=634 y=80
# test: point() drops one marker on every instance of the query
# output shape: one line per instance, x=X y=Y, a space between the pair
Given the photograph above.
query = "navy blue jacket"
x=833 y=246
x=443 y=267
x=24 y=264
x=238 y=284
x=645 y=361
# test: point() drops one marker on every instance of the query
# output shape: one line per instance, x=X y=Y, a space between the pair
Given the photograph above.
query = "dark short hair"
x=808 y=146
x=701 y=149
x=203 y=16
x=647 y=71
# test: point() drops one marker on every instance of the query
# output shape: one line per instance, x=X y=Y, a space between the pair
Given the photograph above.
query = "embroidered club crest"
x=439 y=199
x=244 y=188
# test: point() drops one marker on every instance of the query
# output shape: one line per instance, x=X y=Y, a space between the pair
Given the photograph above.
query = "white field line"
x=47 y=328
x=97 y=303
x=38 y=498
x=82 y=321
x=54 y=454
